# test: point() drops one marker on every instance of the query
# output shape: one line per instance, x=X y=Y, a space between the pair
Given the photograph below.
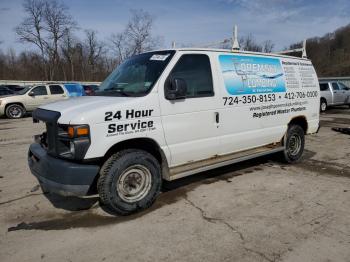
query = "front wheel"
x=129 y=182
x=15 y=111
x=293 y=144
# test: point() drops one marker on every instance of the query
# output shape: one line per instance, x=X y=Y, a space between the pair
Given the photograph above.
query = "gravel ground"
x=258 y=210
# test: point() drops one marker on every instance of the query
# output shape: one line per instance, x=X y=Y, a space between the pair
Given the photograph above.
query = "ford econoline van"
x=167 y=114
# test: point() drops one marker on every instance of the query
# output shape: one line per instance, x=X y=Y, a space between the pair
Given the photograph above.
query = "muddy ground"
x=259 y=210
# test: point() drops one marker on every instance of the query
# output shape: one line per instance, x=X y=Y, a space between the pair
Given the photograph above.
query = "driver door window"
x=335 y=86
x=39 y=97
x=195 y=70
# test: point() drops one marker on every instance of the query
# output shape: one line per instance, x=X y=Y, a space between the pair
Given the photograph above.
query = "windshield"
x=136 y=76
x=23 y=91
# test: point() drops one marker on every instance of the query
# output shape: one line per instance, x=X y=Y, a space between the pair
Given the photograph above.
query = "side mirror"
x=31 y=93
x=176 y=89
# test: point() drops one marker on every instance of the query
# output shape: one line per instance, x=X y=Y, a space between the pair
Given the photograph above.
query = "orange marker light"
x=82 y=131
x=71 y=131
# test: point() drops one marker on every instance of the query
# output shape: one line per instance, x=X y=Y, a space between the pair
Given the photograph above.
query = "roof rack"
x=302 y=50
x=234 y=40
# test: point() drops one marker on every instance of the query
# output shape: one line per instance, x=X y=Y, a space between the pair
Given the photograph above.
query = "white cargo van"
x=173 y=113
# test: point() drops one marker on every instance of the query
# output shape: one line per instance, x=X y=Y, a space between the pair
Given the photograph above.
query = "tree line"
x=330 y=54
x=56 y=53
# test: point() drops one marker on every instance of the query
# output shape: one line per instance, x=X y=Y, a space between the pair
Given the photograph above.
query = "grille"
x=50 y=118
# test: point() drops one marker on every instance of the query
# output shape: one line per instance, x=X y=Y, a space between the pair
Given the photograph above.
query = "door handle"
x=217 y=117
x=46 y=98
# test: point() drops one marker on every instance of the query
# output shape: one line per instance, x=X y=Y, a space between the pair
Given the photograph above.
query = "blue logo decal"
x=251 y=74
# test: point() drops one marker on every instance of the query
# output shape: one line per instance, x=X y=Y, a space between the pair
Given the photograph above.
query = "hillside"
x=330 y=54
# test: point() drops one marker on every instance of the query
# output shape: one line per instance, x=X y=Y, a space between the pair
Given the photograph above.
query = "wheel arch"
x=15 y=103
x=301 y=121
x=147 y=144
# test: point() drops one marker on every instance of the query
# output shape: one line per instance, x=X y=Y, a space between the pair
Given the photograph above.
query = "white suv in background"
x=28 y=99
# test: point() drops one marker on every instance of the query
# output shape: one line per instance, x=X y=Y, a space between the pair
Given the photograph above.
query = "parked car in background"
x=333 y=94
x=14 y=88
x=30 y=98
x=4 y=91
x=90 y=89
x=74 y=89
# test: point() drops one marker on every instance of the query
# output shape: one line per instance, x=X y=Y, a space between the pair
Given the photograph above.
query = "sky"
x=192 y=22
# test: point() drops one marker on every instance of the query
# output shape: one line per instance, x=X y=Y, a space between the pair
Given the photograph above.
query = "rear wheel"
x=15 y=111
x=129 y=182
x=293 y=144
x=323 y=105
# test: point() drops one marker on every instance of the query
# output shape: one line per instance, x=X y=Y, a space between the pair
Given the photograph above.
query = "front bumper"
x=60 y=176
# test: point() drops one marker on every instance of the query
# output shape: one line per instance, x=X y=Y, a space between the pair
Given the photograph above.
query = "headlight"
x=73 y=141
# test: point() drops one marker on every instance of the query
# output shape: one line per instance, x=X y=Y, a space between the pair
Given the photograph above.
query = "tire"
x=129 y=181
x=293 y=144
x=15 y=111
x=323 y=105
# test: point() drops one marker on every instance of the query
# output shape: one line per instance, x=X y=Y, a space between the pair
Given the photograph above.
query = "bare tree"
x=68 y=50
x=58 y=22
x=267 y=46
x=138 y=31
x=94 y=49
x=44 y=26
x=248 y=43
x=118 y=45
x=137 y=36
x=31 y=29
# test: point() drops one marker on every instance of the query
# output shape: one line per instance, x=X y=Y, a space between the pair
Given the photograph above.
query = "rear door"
x=337 y=94
x=190 y=124
x=56 y=93
x=345 y=93
x=40 y=97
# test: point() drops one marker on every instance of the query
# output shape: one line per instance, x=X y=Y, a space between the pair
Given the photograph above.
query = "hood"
x=11 y=98
x=80 y=110
x=4 y=96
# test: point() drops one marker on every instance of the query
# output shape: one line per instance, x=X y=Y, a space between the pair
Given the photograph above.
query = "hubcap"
x=323 y=106
x=134 y=184
x=294 y=145
x=15 y=111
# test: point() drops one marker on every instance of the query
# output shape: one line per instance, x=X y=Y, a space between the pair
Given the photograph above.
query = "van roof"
x=230 y=51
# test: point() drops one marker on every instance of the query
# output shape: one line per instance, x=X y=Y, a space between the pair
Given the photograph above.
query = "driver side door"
x=36 y=97
x=191 y=124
